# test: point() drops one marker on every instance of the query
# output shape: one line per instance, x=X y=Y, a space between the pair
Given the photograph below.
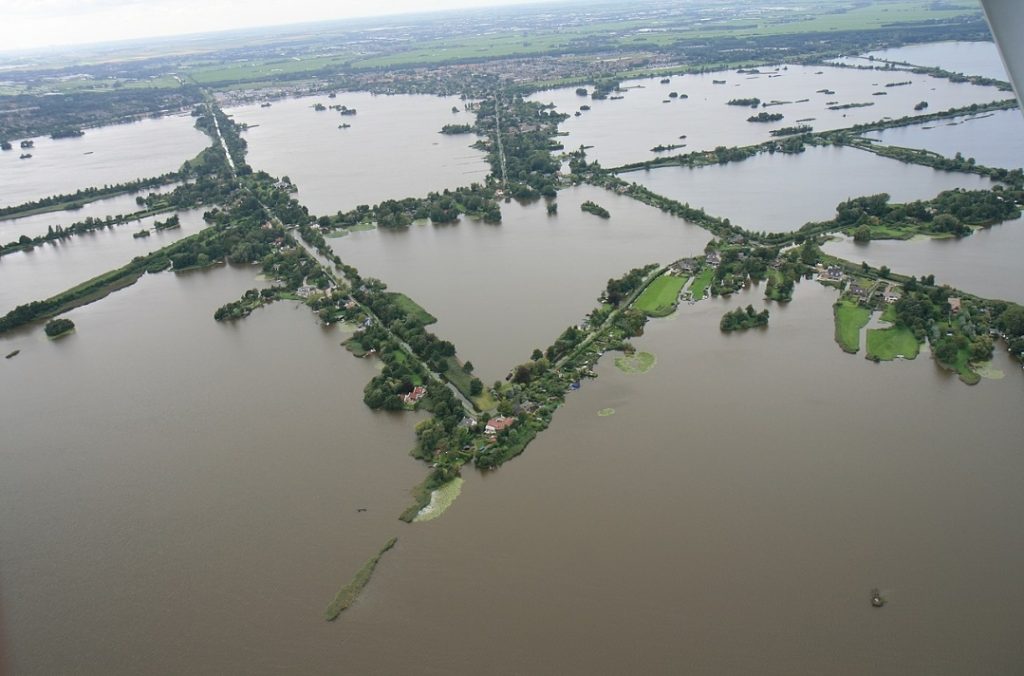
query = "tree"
x=537 y=354
x=58 y=327
x=862 y=233
x=467 y=367
x=476 y=387
x=1012 y=320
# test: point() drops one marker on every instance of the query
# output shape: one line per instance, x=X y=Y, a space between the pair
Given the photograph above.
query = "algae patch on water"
x=605 y=412
x=440 y=500
x=988 y=371
x=638 y=362
x=350 y=592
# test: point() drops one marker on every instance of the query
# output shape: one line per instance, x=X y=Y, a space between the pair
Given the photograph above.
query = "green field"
x=887 y=344
x=411 y=308
x=701 y=282
x=850 y=318
x=659 y=298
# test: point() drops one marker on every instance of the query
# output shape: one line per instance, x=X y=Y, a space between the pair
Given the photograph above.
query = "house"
x=832 y=273
x=417 y=393
x=892 y=294
x=687 y=265
x=305 y=291
x=495 y=425
x=857 y=290
x=351 y=304
x=713 y=259
x=954 y=305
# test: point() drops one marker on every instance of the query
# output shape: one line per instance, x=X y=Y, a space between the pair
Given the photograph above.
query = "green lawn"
x=702 y=282
x=850 y=318
x=887 y=344
x=659 y=298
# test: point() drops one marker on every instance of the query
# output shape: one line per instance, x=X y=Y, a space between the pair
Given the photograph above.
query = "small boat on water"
x=877 y=600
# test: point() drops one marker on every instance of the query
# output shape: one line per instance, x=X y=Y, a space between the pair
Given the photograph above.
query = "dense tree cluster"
x=742 y=319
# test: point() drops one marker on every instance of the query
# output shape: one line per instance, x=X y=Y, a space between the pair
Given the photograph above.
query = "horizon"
x=33 y=26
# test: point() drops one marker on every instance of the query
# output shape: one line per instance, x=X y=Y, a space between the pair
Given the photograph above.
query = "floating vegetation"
x=638 y=362
x=988 y=371
x=440 y=500
x=350 y=592
x=605 y=412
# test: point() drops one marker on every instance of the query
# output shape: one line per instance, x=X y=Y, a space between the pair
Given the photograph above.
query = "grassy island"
x=350 y=592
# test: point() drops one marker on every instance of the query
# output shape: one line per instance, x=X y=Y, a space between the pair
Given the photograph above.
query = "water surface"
x=392 y=150
x=104 y=156
x=180 y=495
x=780 y=192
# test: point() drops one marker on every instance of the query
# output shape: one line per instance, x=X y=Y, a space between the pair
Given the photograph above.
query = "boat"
x=877 y=600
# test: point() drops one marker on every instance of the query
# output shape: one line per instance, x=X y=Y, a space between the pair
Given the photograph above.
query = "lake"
x=200 y=514
x=104 y=156
x=625 y=131
x=780 y=192
x=186 y=501
x=392 y=150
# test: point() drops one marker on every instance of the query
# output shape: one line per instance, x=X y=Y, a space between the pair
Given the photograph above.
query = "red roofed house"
x=495 y=425
x=417 y=393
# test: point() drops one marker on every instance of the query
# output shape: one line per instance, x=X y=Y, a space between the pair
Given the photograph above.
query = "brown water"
x=52 y=267
x=499 y=291
x=987 y=263
x=105 y=155
x=180 y=495
x=392 y=150
x=624 y=131
x=779 y=193
x=730 y=518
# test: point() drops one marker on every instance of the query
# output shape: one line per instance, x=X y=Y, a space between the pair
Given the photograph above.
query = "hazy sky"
x=28 y=24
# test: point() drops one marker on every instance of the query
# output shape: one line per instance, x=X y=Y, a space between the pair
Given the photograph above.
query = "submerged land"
x=257 y=219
